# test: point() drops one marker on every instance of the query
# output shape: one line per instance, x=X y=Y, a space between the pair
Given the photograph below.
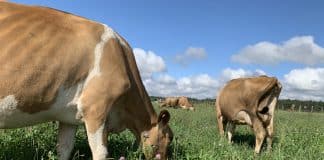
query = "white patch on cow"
x=108 y=33
x=272 y=105
x=7 y=106
x=99 y=151
x=60 y=110
x=116 y=35
x=65 y=102
x=242 y=117
x=76 y=101
x=95 y=71
x=8 y=103
x=77 y=94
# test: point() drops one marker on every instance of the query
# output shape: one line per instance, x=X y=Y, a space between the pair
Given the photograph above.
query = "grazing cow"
x=174 y=102
x=250 y=101
x=56 y=66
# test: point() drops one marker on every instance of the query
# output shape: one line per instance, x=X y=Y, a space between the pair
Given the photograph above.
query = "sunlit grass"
x=297 y=136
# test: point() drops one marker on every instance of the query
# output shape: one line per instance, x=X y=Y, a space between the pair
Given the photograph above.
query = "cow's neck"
x=144 y=114
x=140 y=106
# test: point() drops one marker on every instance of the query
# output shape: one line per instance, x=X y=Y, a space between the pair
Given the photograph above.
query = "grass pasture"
x=297 y=136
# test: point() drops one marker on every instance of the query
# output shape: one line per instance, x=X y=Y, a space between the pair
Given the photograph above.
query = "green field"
x=297 y=136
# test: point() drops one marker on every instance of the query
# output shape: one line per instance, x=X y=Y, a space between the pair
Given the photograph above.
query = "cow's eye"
x=146 y=135
x=154 y=146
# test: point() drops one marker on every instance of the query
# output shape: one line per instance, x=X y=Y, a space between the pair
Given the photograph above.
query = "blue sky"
x=279 y=38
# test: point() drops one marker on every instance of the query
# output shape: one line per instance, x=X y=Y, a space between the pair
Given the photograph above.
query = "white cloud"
x=304 y=84
x=158 y=83
x=148 y=62
x=198 y=86
x=166 y=79
x=229 y=74
x=300 y=49
x=190 y=55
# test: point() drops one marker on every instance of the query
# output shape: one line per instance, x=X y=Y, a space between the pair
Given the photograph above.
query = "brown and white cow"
x=175 y=102
x=56 y=66
x=250 y=101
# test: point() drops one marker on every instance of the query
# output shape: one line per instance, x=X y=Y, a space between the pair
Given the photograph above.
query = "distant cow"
x=175 y=102
x=250 y=101
x=55 y=66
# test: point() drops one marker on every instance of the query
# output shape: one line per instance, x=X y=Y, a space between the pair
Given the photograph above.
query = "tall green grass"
x=297 y=136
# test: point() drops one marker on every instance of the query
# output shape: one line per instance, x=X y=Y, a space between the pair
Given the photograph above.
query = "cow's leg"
x=221 y=124
x=220 y=120
x=230 y=128
x=269 y=135
x=259 y=132
x=95 y=118
x=95 y=108
x=97 y=139
x=66 y=140
x=105 y=85
x=269 y=127
x=96 y=105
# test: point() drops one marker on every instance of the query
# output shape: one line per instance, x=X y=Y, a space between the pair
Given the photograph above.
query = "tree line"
x=283 y=104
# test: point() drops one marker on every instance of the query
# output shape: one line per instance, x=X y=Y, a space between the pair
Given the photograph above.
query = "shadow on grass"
x=40 y=143
x=249 y=139
x=118 y=146
x=243 y=139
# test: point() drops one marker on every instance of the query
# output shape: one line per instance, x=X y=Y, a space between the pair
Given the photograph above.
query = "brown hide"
x=244 y=94
x=175 y=102
x=31 y=38
x=248 y=101
x=44 y=51
x=184 y=103
x=170 y=102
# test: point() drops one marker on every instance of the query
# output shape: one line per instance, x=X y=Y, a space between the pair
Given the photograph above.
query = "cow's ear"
x=164 y=117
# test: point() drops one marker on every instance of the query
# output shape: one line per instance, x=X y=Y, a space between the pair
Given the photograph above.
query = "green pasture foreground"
x=297 y=136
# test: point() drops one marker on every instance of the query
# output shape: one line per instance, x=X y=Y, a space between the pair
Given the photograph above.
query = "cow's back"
x=42 y=52
x=172 y=101
x=231 y=98
x=243 y=94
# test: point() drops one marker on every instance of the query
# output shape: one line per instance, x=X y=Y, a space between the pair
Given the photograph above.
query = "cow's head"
x=185 y=104
x=156 y=140
x=190 y=106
